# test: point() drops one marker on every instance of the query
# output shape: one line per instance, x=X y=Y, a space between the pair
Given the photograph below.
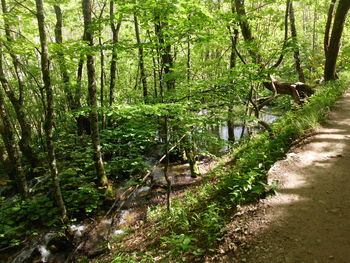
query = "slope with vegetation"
x=97 y=95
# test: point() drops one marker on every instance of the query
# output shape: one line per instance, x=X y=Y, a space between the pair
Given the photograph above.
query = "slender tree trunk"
x=188 y=62
x=113 y=69
x=286 y=16
x=166 y=165
x=154 y=76
x=9 y=139
x=230 y=125
x=165 y=54
x=45 y=70
x=61 y=58
x=4 y=159
x=233 y=57
x=191 y=155
x=314 y=32
x=78 y=94
x=141 y=59
x=102 y=79
x=100 y=170
x=334 y=43
x=297 y=59
x=17 y=103
x=246 y=31
x=328 y=25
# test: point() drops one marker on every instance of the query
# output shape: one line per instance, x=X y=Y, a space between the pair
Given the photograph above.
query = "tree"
x=328 y=26
x=18 y=101
x=48 y=126
x=141 y=59
x=113 y=68
x=333 y=47
x=92 y=98
x=295 y=42
x=9 y=138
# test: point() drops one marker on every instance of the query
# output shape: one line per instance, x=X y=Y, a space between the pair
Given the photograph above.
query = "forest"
x=122 y=117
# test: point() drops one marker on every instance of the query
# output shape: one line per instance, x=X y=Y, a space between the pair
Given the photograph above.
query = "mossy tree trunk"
x=9 y=139
x=48 y=126
x=17 y=101
x=92 y=99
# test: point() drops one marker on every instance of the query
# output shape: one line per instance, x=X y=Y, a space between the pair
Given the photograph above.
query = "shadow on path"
x=308 y=221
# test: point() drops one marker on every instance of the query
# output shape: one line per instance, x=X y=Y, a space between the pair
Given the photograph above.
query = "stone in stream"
x=51 y=247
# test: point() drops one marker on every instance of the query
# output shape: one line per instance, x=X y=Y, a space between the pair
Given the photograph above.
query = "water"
x=221 y=134
x=38 y=250
x=77 y=230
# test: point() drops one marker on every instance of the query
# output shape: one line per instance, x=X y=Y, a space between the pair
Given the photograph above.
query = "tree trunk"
x=45 y=70
x=141 y=59
x=17 y=103
x=61 y=58
x=188 y=62
x=233 y=57
x=102 y=79
x=280 y=59
x=113 y=69
x=191 y=156
x=246 y=31
x=166 y=165
x=230 y=125
x=165 y=54
x=100 y=170
x=298 y=67
x=334 y=43
x=9 y=139
x=328 y=25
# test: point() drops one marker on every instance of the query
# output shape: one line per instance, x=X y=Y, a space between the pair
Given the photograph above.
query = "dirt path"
x=308 y=221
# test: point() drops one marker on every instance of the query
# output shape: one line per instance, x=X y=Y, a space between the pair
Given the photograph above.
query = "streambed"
x=89 y=237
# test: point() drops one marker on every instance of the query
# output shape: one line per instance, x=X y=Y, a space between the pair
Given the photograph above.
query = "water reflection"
x=220 y=134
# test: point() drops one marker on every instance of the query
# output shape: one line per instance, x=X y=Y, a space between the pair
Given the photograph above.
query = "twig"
x=30 y=10
x=127 y=198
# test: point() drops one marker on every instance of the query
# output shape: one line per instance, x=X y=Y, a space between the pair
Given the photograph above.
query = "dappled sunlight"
x=308 y=219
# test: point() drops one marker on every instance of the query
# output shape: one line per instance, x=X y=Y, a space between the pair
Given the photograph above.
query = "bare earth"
x=308 y=221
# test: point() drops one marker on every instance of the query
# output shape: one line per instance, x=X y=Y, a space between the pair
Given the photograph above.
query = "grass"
x=197 y=220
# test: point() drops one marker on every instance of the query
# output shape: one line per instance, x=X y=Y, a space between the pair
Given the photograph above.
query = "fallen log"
x=297 y=90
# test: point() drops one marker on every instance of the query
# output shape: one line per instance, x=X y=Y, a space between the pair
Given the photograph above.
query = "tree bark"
x=297 y=59
x=17 y=103
x=113 y=69
x=328 y=25
x=334 y=43
x=9 y=139
x=191 y=156
x=61 y=58
x=165 y=54
x=280 y=59
x=92 y=100
x=247 y=32
x=102 y=79
x=141 y=59
x=45 y=71
x=188 y=62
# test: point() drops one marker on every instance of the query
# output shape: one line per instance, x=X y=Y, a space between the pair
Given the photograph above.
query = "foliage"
x=196 y=38
x=198 y=220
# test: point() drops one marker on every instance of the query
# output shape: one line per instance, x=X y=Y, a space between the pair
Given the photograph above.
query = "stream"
x=89 y=237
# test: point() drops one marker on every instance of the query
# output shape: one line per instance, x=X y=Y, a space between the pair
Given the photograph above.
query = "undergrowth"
x=197 y=220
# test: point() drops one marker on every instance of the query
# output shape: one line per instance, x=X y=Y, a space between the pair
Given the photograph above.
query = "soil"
x=308 y=220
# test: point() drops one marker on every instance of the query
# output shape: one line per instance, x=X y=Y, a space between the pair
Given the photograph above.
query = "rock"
x=31 y=254
x=57 y=242
x=143 y=192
